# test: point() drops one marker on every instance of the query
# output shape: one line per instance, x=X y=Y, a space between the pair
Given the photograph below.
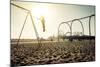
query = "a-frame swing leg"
x=22 y=28
x=33 y=26
x=36 y=33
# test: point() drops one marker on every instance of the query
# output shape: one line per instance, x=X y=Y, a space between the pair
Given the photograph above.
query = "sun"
x=40 y=13
x=39 y=10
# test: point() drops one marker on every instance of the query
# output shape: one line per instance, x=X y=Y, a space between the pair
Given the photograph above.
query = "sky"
x=54 y=14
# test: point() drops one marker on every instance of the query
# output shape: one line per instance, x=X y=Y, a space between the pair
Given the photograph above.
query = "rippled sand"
x=52 y=53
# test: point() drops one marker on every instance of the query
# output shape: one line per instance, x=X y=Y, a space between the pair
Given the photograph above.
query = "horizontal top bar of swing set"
x=21 y=7
x=79 y=18
x=64 y=22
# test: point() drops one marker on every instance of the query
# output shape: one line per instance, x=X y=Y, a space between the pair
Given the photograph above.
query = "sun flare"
x=39 y=11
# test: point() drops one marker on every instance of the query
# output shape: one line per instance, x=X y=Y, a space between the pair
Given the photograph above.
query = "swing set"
x=31 y=16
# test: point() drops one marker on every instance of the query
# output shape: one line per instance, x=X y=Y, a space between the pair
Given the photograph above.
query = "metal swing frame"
x=28 y=14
